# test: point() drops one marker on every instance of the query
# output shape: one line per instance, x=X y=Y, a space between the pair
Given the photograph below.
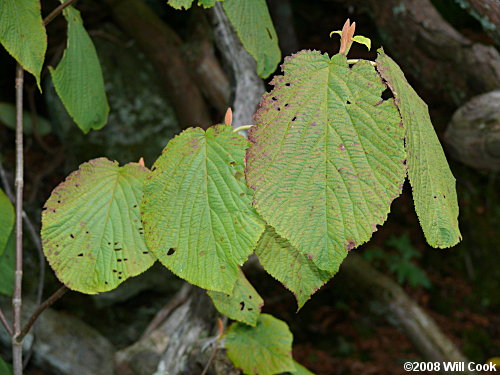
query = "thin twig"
x=5 y=323
x=40 y=309
x=56 y=11
x=33 y=233
x=17 y=348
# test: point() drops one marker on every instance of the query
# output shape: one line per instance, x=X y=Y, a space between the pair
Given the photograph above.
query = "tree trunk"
x=487 y=12
x=473 y=134
x=431 y=51
x=248 y=87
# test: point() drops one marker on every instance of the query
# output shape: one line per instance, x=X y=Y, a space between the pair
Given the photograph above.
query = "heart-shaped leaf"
x=92 y=234
x=198 y=216
x=327 y=156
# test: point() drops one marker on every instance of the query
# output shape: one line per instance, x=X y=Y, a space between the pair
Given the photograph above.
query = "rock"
x=473 y=134
x=65 y=345
x=141 y=119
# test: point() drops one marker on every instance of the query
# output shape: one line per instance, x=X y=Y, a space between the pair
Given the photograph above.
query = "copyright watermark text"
x=449 y=366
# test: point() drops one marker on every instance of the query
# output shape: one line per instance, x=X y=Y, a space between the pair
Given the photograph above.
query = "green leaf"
x=357 y=38
x=327 y=157
x=255 y=29
x=264 y=349
x=23 y=35
x=78 y=77
x=7 y=218
x=8 y=267
x=432 y=182
x=285 y=263
x=300 y=370
x=362 y=40
x=92 y=234
x=186 y=4
x=8 y=118
x=243 y=304
x=197 y=211
x=180 y=4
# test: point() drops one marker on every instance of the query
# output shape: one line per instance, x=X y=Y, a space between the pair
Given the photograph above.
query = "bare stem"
x=40 y=309
x=56 y=11
x=17 y=349
x=5 y=323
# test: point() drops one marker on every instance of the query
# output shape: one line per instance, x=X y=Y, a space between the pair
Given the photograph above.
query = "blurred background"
x=361 y=321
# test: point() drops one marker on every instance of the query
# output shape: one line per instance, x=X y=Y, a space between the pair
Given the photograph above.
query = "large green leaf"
x=197 y=211
x=78 y=77
x=295 y=270
x=255 y=29
x=430 y=176
x=327 y=157
x=7 y=218
x=22 y=33
x=243 y=304
x=92 y=234
x=264 y=349
x=8 y=118
x=8 y=266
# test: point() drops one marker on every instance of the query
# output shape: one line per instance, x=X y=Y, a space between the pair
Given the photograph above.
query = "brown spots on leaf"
x=222 y=267
x=202 y=253
x=310 y=256
x=350 y=245
x=341 y=147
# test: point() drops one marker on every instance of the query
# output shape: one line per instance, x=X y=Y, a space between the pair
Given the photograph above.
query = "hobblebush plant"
x=315 y=178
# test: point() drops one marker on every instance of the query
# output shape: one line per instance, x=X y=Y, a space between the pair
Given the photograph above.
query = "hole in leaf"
x=274 y=98
x=348 y=102
x=145 y=252
x=279 y=109
x=294 y=118
x=288 y=84
x=71 y=235
x=171 y=251
x=286 y=104
x=387 y=94
x=250 y=309
x=80 y=255
x=242 y=305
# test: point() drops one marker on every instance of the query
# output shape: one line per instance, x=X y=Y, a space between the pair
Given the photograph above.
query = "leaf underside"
x=264 y=349
x=197 y=210
x=254 y=26
x=22 y=33
x=78 y=77
x=92 y=234
x=285 y=263
x=244 y=303
x=327 y=156
x=430 y=176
